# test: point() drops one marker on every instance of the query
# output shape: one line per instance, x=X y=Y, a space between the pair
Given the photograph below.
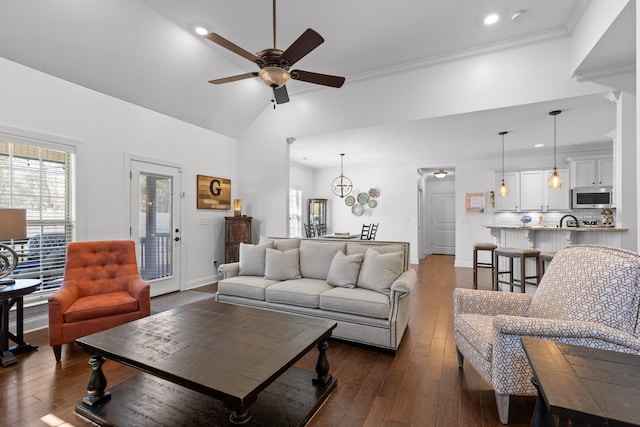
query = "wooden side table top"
x=581 y=383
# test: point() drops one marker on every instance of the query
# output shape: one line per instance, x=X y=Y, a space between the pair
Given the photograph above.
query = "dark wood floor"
x=420 y=386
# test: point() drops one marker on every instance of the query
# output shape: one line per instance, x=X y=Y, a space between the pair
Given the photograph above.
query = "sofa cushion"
x=103 y=305
x=282 y=265
x=344 y=270
x=608 y=281
x=252 y=259
x=356 y=301
x=251 y=287
x=316 y=257
x=302 y=292
x=379 y=271
x=282 y=244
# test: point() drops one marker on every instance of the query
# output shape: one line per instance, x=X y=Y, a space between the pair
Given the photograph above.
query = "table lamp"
x=13 y=225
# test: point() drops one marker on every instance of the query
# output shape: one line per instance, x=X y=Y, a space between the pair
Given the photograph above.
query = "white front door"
x=443 y=223
x=155 y=223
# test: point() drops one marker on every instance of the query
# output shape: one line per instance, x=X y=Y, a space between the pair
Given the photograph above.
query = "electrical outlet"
x=215 y=262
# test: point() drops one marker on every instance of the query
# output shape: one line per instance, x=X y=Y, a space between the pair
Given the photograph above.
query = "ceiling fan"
x=274 y=63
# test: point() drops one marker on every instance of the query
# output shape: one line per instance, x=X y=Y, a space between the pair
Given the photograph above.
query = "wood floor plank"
x=420 y=385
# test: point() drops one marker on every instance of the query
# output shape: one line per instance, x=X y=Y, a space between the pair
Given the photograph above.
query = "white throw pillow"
x=379 y=271
x=344 y=270
x=282 y=265
x=252 y=259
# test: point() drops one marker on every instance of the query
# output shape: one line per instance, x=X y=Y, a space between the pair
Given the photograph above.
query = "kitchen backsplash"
x=548 y=218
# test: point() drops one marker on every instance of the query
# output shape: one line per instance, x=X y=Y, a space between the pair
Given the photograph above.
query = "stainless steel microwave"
x=592 y=197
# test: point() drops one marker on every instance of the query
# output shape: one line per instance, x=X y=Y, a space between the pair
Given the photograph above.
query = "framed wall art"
x=474 y=203
x=213 y=192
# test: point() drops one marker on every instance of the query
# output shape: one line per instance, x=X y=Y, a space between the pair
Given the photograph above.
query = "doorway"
x=443 y=224
x=155 y=223
x=436 y=213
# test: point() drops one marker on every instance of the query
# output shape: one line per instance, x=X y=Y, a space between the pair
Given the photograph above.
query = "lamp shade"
x=13 y=224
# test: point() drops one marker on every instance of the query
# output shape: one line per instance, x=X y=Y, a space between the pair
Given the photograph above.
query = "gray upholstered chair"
x=588 y=296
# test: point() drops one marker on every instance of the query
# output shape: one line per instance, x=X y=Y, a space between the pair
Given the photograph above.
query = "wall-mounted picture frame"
x=213 y=192
x=474 y=203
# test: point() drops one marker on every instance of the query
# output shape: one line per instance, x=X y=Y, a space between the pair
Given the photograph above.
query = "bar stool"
x=482 y=247
x=545 y=257
x=523 y=255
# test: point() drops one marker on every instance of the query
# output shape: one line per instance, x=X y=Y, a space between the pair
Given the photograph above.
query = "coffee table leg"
x=322 y=365
x=240 y=416
x=96 y=393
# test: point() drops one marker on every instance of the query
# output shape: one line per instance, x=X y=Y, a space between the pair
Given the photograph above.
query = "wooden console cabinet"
x=237 y=230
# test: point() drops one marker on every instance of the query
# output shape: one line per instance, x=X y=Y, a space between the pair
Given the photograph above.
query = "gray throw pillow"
x=282 y=265
x=344 y=270
x=252 y=259
x=281 y=243
x=379 y=271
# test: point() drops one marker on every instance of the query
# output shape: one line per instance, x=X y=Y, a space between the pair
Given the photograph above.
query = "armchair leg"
x=57 y=351
x=502 y=400
x=460 y=358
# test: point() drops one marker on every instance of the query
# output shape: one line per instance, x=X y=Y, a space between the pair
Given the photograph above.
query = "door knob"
x=177 y=239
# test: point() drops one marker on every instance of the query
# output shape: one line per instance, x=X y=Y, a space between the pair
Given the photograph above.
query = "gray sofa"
x=364 y=286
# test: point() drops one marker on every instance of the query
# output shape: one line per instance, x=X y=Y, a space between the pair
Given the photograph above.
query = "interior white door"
x=443 y=223
x=155 y=224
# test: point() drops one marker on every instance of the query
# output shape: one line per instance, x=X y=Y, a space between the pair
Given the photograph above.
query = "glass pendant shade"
x=554 y=180
x=503 y=191
x=274 y=76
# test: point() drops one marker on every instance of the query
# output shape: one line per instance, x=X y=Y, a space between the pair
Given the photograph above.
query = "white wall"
x=303 y=179
x=106 y=129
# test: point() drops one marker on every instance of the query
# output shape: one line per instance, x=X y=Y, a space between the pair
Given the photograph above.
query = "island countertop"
x=553 y=228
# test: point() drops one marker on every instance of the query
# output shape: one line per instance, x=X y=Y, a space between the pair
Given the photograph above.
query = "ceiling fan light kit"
x=275 y=64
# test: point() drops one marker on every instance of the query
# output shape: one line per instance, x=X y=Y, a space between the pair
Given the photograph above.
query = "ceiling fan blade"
x=233 y=78
x=280 y=94
x=317 y=78
x=308 y=41
x=231 y=46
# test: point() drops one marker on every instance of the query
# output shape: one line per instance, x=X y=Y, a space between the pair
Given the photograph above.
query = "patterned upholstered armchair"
x=588 y=296
x=101 y=289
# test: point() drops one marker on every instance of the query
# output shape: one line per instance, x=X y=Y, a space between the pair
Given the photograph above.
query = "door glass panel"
x=156 y=210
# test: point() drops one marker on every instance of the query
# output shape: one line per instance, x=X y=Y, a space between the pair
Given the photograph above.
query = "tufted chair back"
x=592 y=284
x=101 y=267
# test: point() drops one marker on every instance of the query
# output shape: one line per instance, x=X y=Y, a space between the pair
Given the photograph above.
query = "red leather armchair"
x=102 y=288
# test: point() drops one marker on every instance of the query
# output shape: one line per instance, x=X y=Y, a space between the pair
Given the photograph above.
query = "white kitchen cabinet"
x=510 y=202
x=557 y=199
x=531 y=191
x=592 y=172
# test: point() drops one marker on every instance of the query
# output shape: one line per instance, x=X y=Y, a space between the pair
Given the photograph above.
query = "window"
x=295 y=213
x=39 y=180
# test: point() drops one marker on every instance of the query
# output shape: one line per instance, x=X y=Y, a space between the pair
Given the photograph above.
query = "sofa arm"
x=490 y=303
x=576 y=332
x=140 y=290
x=405 y=283
x=229 y=270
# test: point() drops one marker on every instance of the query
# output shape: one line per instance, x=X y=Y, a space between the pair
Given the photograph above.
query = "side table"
x=11 y=295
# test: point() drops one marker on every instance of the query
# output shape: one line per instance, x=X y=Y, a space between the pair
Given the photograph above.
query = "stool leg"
x=494 y=273
x=511 y=281
x=475 y=269
x=523 y=274
x=493 y=266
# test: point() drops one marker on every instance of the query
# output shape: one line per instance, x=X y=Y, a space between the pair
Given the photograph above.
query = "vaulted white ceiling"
x=146 y=52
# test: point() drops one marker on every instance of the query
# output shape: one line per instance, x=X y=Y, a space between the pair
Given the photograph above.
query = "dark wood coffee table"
x=583 y=386
x=207 y=363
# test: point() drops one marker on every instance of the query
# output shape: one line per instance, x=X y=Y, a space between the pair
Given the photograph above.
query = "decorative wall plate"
x=357 y=210
x=349 y=200
x=374 y=192
x=363 y=198
x=368 y=211
x=373 y=203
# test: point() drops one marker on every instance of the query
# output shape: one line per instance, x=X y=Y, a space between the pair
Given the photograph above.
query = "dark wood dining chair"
x=364 y=234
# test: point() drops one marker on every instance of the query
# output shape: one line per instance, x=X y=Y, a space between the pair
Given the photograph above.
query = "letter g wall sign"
x=213 y=193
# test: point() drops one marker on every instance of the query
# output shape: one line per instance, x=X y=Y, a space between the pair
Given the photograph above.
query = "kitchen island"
x=548 y=238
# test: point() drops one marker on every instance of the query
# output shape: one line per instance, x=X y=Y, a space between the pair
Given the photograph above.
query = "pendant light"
x=341 y=186
x=554 y=180
x=503 y=190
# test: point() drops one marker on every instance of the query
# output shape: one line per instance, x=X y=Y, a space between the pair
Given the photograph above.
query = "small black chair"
x=364 y=234
x=373 y=231
x=310 y=230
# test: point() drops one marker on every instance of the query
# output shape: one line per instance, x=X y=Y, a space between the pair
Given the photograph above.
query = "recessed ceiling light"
x=491 y=19
x=201 y=30
x=538 y=145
